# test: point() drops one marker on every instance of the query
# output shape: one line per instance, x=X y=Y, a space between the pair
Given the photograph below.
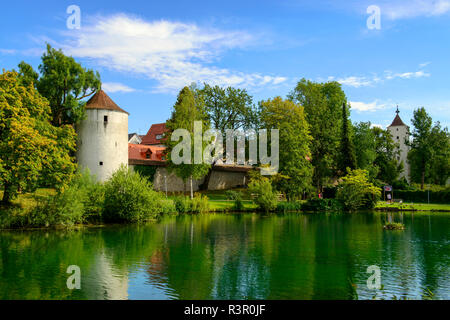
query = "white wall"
x=399 y=134
x=100 y=141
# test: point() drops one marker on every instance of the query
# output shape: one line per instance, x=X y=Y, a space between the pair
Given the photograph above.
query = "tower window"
x=398 y=138
x=105 y=118
x=100 y=163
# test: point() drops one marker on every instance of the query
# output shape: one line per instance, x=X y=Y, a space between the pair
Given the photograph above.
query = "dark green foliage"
x=286 y=206
x=421 y=196
x=146 y=171
x=232 y=194
x=322 y=103
x=347 y=158
x=322 y=205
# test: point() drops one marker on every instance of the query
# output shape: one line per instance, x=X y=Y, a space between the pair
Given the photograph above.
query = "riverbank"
x=23 y=213
x=435 y=207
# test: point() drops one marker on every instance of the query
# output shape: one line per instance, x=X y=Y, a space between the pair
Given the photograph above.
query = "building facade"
x=400 y=134
x=102 y=144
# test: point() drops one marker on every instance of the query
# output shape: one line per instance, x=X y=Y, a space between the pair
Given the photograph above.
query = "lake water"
x=234 y=256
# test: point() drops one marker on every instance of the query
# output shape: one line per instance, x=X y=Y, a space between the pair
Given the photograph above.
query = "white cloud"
x=116 y=87
x=423 y=65
x=8 y=51
x=363 y=106
x=395 y=10
x=406 y=75
x=355 y=82
x=172 y=53
x=365 y=81
x=376 y=125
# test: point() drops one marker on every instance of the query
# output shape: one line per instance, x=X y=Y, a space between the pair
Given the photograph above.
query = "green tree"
x=435 y=168
x=294 y=142
x=31 y=149
x=347 y=158
x=64 y=82
x=356 y=192
x=365 y=148
x=421 y=147
x=440 y=155
x=185 y=112
x=387 y=153
x=228 y=108
x=265 y=196
x=323 y=108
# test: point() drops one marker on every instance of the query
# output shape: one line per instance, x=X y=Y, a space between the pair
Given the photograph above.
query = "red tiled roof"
x=143 y=152
x=397 y=122
x=155 y=129
x=100 y=100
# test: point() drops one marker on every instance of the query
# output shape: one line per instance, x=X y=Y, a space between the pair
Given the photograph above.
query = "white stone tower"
x=400 y=134
x=103 y=137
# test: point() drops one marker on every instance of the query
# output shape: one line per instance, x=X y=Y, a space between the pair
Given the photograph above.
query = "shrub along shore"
x=127 y=197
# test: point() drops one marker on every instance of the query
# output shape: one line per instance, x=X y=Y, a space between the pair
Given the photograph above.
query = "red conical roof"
x=100 y=100
x=397 y=122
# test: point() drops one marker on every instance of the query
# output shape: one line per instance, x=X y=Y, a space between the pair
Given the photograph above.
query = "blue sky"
x=146 y=51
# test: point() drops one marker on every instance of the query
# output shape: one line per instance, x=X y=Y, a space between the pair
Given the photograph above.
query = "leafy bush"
x=356 y=192
x=322 y=205
x=199 y=204
x=286 y=206
x=182 y=204
x=80 y=201
x=394 y=226
x=167 y=206
x=236 y=196
x=266 y=198
x=129 y=197
x=232 y=195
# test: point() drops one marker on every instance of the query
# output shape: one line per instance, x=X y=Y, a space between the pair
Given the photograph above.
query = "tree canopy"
x=323 y=108
x=64 y=82
x=430 y=150
x=294 y=140
x=185 y=112
x=32 y=150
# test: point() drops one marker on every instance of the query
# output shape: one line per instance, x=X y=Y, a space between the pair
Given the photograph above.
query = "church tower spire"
x=400 y=134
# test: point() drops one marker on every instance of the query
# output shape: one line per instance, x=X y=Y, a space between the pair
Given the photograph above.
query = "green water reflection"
x=218 y=256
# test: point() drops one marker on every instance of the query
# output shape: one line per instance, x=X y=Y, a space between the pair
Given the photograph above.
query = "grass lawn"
x=414 y=206
x=227 y=205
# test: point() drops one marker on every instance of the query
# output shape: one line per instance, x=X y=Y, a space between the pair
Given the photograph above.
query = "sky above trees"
x=146 y=51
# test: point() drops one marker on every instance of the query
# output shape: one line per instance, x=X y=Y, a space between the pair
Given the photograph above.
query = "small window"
x=105 y=118
x=397 y=129
x=159 y=136
x=100 y=163
x=398 y=138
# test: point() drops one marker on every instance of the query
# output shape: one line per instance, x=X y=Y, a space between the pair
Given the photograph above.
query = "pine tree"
x=347 y=148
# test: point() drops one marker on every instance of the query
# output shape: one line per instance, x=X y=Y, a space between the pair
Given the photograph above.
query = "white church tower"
x=103 y=137
x=400 y=133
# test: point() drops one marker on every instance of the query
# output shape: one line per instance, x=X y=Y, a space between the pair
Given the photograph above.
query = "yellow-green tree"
x=355 y=191
x=295 y=141
x=32 y=151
